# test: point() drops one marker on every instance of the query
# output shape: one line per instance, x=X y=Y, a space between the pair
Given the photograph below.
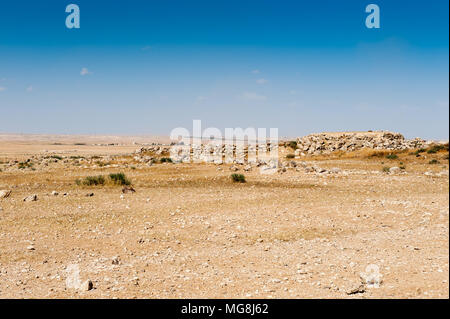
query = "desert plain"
x=339 y=225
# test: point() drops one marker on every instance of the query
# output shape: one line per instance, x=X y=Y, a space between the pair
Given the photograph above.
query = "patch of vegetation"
x=436 y=148
x=420 y=150
x=79 y=144
x=91 y=181
x=376 y=153
x=119 y=179
x=56 y=157
x=23 y=165
x=386 y=169
x=392 y=156
x=292 y=144
x=238 y=178
x=165 y=160
x=434 y=161
x=290 y=156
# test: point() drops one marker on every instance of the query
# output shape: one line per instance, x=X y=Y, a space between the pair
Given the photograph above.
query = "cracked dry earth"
x=189 y=232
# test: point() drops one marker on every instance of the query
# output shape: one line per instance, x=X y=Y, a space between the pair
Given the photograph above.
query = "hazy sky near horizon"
x=146 y=67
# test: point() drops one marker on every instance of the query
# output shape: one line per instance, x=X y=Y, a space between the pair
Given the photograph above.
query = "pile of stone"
x=325 y=143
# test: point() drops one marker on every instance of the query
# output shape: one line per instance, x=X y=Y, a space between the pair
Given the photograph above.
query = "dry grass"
x=189 y=231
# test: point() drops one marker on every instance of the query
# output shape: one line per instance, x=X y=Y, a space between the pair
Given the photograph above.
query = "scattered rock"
x=128 y=189
x=395 y=170
x=356 y=290
x=335 y=170
x=55 y=193
x=87 y=285
x=5 y=193
x=89 y=194
x=31 y=198
x=115 y=260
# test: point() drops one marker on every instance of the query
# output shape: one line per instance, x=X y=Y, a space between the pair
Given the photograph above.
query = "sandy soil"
x=190 y=232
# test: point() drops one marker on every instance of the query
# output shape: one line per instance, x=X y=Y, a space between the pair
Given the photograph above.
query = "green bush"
x=386 y=169
x=292 y=144
x=91 y=181
x=436 y=148
x=119 y=179
x=23 y=165
x=238 y=178
x=434 y=161
x=392 y=156
x=290 y=156
x=165 y=160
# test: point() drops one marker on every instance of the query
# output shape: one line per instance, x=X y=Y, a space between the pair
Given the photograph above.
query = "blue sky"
x=146 y=67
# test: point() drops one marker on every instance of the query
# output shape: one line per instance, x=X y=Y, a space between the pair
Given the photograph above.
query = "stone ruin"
x=326 y=143
x=312 y=144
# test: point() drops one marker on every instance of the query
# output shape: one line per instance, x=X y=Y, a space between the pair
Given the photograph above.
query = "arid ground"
x=189 y=231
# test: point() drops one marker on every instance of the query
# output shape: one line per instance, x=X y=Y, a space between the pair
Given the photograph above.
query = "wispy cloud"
x=201 y=98
x=85 y=71
x=29 y=89
x=2 y=88
x=251 y=96
x=262 y=81
x=146 y=48
x=256 y=72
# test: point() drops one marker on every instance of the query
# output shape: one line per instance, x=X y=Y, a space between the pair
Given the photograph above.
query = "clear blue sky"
x=146 y=67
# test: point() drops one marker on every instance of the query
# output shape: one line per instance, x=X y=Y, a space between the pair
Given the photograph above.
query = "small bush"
x=402 y=167
x=434 y=161
x=56 y=157
x=420 y=150
x=238 y=178
x=386 y=169
x=290 y=156
x=119 y=179
x=377 y=153
x=165 y=160
x=436 y=148
x=292 y=144
x=23 y=165
x=91 y=181
x=392 y=156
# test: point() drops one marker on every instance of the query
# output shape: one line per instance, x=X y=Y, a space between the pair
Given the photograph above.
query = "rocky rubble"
x=325 y=143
